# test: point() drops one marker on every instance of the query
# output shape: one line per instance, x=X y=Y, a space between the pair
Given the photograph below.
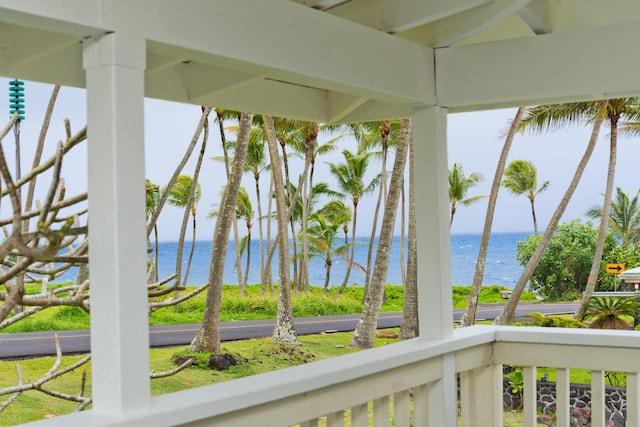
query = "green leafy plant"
x=611 y=312
x=553 y=321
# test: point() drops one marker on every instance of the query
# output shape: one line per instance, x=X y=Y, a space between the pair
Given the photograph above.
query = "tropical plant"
x=152 y=199
x=554 y=321
x=410 y=328
x=351 y=177
x=624 y=217
x=184 y=194
x=469 y=316
x=284 y=329
x=208 y=336
x=565 y=266
x=521 y=177
x=364 y=334
x=611 y=312
x=539 y=118
x=244 y=212
x=459 y=186
x=322 y=236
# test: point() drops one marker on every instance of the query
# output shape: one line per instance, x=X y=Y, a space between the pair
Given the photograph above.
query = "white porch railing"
x=400 y=384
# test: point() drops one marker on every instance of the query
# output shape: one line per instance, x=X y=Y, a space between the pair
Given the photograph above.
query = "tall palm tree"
x=539 y=118
x=365 y=332
x=521 y=177
x=184 y=194
x=152 y=199
x=244 y=212
x=469 y=315
x=351 y=177
x=284 y=329
x=410 y=328
x=208 y=336
x=459 y=186
x=624 y=218
x=227 y=146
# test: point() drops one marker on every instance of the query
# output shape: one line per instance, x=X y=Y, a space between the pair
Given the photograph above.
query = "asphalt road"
x=35 y=344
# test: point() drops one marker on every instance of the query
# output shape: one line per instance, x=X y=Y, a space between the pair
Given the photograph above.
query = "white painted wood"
x=119 y=326
x=434 y=293
x=633 y=399
x=420 y=397
x=360 y=415
x=481 y=396
x=562 y=397
x=310 y=423
x=335 y=419
x=553 y=76
x=529 y=396
x=597 y=398
x=401 y=408
x=392 y=16
x=381 y=412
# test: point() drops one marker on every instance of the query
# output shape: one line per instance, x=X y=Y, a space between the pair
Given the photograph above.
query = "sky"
x=474 y=141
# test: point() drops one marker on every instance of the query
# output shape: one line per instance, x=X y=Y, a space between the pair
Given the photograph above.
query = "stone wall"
x=579 y=398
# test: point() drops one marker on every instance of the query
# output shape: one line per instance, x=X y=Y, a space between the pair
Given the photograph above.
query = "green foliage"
x=611 y=312
x=516 y=381
x=564 y=268
x=553 y=321
x=489 y=294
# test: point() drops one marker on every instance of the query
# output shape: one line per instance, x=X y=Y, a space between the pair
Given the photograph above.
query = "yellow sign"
x=615 y=268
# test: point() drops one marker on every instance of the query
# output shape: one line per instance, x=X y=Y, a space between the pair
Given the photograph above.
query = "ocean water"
x=501 y=267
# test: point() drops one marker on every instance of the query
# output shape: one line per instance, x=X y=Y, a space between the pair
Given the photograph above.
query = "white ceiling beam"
x=454 y=29
x=553 y=68
x=340 y=106
x=328 y=52
x=392 y=16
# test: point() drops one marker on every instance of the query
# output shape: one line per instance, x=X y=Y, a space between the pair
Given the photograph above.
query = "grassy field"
x=250 y=307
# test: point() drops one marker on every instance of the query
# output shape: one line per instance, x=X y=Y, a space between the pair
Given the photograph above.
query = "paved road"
x=41 y=343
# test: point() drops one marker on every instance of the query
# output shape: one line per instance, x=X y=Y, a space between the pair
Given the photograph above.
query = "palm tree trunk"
x=604 y=221
x=208 y=337
x=268 y=270
x=260 y=235
x=327 y=276
x=403 y=273
x=246 y=267
x=352 y=251
x=409 y=328
x=365 y=333
x=469 y=316
x=508 y=312
x=533 y=215
x=284 y=329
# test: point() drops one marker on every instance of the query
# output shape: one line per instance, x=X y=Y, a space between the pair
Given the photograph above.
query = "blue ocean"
x=501 y=267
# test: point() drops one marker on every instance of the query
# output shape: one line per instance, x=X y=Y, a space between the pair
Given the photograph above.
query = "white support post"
x=432 y=230
x=633 y=399
x=597 y=398
x=114 y=66
x=434 y=265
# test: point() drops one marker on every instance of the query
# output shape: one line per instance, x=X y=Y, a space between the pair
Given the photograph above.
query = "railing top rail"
x=567 y=336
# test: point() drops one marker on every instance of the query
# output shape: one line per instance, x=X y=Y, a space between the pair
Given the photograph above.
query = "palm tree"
x=184 y=194
x=351 y=182
x=410 y=328
x=152 y=199
x=365 y=332
x=322 y=235
x=469 y=316
x=624 y=218
x=611 y=312
x=521 y=177
x=459 y=186
x=208 y=337
x=539 y=118
x=284 y=329
x=244 y=212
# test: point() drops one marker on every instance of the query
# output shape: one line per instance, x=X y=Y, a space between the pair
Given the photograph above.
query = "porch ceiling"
x=342 y=60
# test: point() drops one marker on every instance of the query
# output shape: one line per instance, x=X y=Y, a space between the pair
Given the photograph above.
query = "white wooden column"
x=434 y=265
x=432 y=228
x=114 y=66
